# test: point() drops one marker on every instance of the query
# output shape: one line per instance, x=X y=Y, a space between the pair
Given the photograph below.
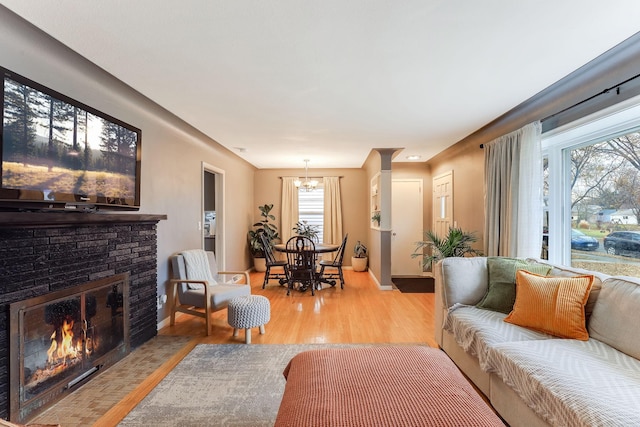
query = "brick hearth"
x=46 y=252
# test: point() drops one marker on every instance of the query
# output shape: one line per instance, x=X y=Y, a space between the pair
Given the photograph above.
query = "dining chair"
x=271 y=261
x=335 y=266
x=301 y=257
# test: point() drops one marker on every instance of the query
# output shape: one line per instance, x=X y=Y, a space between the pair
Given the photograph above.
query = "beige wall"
x=354 y=191
x=172 y=151
x=466 y=160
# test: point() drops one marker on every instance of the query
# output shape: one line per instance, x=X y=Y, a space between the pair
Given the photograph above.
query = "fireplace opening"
x=60 y=339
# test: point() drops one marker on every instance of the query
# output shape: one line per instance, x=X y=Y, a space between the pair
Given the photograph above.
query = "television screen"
x=57 y=152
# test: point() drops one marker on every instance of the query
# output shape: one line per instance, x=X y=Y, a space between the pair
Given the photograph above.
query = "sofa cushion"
x=570 y=382
x=476 y=330
x=465 y=280
x=616 y=315
x=501 y=293
x=598 y=278
x=553 y=305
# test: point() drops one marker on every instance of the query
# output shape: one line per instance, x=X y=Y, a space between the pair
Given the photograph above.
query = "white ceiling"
x=329 y=80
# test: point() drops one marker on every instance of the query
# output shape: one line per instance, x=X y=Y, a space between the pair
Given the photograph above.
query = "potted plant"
x=456 y=243
x=376 y=218
x=308 y=230
x=265 y=227
x=359 y=258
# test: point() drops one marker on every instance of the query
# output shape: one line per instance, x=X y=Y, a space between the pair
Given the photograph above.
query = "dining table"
x=319 y=248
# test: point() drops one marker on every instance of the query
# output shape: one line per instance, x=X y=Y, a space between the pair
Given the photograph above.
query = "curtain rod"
x=604 y=92
x=615 y=87
x=312 y=176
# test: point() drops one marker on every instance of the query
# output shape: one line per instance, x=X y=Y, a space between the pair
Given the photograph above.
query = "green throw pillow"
x=501 y=294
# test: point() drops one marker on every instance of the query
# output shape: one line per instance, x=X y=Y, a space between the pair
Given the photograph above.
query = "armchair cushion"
x=197 y=268
x=220 y=295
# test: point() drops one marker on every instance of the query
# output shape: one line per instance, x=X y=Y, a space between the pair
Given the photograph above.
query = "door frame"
x=220 y=211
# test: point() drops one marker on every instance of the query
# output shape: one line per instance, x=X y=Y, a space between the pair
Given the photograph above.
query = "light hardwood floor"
x=359 y=313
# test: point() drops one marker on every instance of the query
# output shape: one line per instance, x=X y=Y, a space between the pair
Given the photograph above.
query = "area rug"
x=221 y=385
x=414 y=284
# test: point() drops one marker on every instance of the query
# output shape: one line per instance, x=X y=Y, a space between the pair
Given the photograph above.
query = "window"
x=592 y=192
x=311 y=208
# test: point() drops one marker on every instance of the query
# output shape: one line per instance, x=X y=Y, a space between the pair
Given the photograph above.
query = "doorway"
x=213 y=212
x=406 y=226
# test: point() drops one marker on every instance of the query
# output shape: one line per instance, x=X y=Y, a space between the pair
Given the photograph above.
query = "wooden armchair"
x=197 y=284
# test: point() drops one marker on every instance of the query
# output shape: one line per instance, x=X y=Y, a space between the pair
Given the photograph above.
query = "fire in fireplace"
x=66 y=349
x=60 y=339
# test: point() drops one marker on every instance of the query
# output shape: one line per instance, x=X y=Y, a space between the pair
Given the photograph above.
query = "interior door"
x=443 y=203
x=406 y=226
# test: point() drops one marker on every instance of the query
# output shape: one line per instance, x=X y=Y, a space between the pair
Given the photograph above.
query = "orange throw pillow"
x=553 y=305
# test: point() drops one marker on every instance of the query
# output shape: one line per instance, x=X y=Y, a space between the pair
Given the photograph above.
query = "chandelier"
x=307 y=184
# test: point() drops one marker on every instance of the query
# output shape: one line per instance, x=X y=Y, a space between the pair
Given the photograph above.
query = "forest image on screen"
x=53 y=150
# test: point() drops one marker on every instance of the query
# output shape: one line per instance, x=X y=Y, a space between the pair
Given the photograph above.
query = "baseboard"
x=381 y=287
x=167 y=320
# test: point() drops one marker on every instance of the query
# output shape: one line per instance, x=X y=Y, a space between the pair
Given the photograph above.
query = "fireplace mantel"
x=60 y=219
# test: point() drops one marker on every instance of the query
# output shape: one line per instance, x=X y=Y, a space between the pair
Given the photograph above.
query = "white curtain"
x=513 y=194
x=332 y=222
x=289 y=213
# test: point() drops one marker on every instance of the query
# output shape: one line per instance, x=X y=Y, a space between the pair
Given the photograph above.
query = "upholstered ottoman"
x=248 y=312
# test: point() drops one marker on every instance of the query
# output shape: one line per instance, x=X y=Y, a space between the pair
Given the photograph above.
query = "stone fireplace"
x=71 y=268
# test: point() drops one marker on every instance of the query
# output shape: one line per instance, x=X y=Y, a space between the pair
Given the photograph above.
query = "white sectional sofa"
x=536 y=379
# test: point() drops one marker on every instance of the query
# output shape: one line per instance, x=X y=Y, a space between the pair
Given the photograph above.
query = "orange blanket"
x=379 y=386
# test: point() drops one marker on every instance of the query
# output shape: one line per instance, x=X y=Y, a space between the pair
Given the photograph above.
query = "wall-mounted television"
x=58 y=153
